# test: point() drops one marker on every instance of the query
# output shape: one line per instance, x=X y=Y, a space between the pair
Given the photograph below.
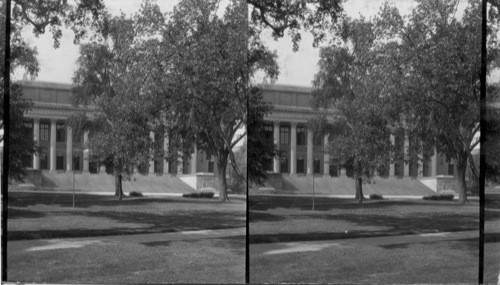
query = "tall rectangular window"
x=59 y=162
x=44 y=162
x=44 y=132
x=28 y=130
x=301 y=135
x=300 y=165
x=317 y=167
x=268 y=132
x=284 y=165
x=76 y=162
x=284 y=135
x=60 y=132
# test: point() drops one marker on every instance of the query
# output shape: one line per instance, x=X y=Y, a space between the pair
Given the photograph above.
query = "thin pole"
x=73 y=162
x=313 y=189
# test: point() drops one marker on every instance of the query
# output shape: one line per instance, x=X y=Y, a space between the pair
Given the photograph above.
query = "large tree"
x=440 y=59
x=40 y=16
x=262 y=149
x=354 y=79
x=116 y=83
x=209 y=76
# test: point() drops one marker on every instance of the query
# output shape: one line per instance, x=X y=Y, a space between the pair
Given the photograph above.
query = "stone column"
x=310 y=165
x=151 y=159
x=194 y=158
x=293 y=149
x=406 y=172
x=36 y=138
x=276 y=137
x=434 y=163
x=69 y=149
x=166 y=169
x=392 y=167
x=102 y=169
x=326 y=156
x=86 y=152
x=52 y=146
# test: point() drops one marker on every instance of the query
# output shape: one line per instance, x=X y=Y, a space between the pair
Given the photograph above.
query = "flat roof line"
x=46 y=84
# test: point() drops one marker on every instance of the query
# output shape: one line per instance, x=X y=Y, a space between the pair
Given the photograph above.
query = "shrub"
x=446 y=197
x=376 y=197
x=135 y=194
x=208 y=195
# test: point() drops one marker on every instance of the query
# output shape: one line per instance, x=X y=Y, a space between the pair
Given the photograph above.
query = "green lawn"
x=40 y=215
x=282 y=219
x=193 y=261
x=290 y=219
x=120 y=260
x=438 y=262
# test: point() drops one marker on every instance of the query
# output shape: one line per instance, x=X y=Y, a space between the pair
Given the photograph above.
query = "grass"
x=42 y=215
x=283 y=219
x=437 y=262
x=193 y=261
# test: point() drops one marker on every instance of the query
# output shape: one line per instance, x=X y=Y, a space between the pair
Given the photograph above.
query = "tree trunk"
x=461 y=184
x=118 y=186
x=359 y=189
x=221 y=169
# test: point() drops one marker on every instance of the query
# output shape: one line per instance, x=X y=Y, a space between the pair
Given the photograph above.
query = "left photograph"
x=127 y=141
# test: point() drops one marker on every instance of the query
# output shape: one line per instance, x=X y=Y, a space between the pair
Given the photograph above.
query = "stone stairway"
x=345 y=186
x=106 y=183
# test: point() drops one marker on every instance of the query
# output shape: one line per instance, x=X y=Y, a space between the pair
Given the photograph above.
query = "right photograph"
x=363 y=142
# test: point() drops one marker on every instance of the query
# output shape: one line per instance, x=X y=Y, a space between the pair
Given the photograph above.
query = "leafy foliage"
x=491 y=147
x=439 y=56
x=117 y=81
x=296 y=16
x=261 y=149
x=353 y=78
x=39 y=15
x=208 y=75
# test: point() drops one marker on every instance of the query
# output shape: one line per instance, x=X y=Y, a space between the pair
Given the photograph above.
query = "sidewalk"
x=50 y=244
x=291 y=247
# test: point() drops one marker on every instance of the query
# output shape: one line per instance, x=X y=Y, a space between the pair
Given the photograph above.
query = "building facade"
x=287 y=127
x=65 y=151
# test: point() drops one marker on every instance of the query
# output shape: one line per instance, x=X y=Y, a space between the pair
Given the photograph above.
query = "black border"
x=6 y=132
x=482 y=113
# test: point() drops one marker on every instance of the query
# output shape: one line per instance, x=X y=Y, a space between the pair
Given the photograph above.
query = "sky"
x=296 y=68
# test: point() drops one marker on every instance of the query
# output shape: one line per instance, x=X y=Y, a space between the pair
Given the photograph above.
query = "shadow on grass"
x=23 y=213
x=153 y=223
x=417 y=224
x=135 y=212
x=264 y=203
x=467 y=244
x=236 y=243
x=492 y=207
x=316 y=236
x=24 y=199
x=414 y=220
x=492 y=237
